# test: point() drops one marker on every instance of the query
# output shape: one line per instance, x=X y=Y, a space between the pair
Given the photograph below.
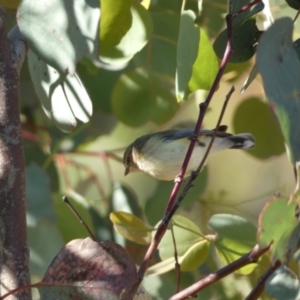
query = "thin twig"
x=66 y=200
x=196 y=173
x=247 y=259
x=177 y=265
x=163 y=226
x=260 y=286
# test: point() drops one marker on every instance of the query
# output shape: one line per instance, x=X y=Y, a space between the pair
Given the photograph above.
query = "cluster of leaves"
x=139 y=71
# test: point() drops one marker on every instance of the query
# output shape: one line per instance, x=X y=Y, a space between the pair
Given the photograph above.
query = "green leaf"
x=99 y=83
x=186 y=232
x=279 y=67
x=44 y=241
x=235 y=238
x=278 y=224
x=283 y=284
x=194 y=257
x=154 y=209
x=192 y=247
x=116 y=19
x=164 y=42
x=205 y=67
x=268 y=138
x=244 y=38
x=64 y=98
x=131 y=227
x=235 y=7
x=187 y=49
x=124 y=199
x=133 y=41
x=69 y=226
x=60 y=32
x=293 y=4
x=140 y=96
x=38 y=194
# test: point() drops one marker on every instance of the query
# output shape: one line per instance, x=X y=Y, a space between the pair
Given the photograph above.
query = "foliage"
x=147 y=69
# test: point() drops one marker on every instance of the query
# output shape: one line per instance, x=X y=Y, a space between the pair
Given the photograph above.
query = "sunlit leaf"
x=116 y=19
x=64 y=98
x=133 y=41
x=187 y=49
x=235 y=237
x=194 y=257
x=187 y=234
x=278 y=224
x=131 y=227
x=205 y=67
x=60 y=32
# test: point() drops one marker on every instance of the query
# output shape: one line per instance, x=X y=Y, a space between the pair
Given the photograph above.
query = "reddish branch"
x=163 y=226
x=171 y=207
x=247 y=259
x=260 y=286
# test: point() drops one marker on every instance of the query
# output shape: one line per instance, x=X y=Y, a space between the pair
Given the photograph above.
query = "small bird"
x=161 y=154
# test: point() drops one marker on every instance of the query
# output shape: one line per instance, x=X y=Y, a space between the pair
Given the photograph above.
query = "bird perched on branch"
x=161 y=154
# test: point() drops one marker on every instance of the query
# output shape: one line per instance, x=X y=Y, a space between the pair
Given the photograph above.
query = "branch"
x=260 y=286
x=163 y=225
x=247 y=259
x=14 y=252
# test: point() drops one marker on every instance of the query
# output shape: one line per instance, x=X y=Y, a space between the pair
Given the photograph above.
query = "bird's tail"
x=242 y=141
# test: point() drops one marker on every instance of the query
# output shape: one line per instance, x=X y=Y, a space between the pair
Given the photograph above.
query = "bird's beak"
x=127 y=170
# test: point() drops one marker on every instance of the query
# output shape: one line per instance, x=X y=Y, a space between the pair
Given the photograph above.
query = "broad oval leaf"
x=236 y=6
x=60 y=32
x=115 y=21
x=90 y=271
x=186 y=233
x=279 y=66
x=283 y=284
x=235 y=238
x=194 y=257
x=279 y=225
x=140 y=96
x=132 y=42
x=131 y=227
x=268 y=137
x=187 y=49
x=293 y=3
x=245 y=36
x=63 y=98
x=205 y=67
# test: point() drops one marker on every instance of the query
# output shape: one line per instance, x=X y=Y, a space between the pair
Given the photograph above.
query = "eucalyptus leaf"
x=279 y=66
x=60 y=32
x=187 y=50
x=63 y=97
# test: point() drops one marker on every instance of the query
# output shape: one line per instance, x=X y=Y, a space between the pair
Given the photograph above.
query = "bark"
x=14 y=251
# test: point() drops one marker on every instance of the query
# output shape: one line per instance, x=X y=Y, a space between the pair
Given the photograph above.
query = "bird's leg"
x=194 y=137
